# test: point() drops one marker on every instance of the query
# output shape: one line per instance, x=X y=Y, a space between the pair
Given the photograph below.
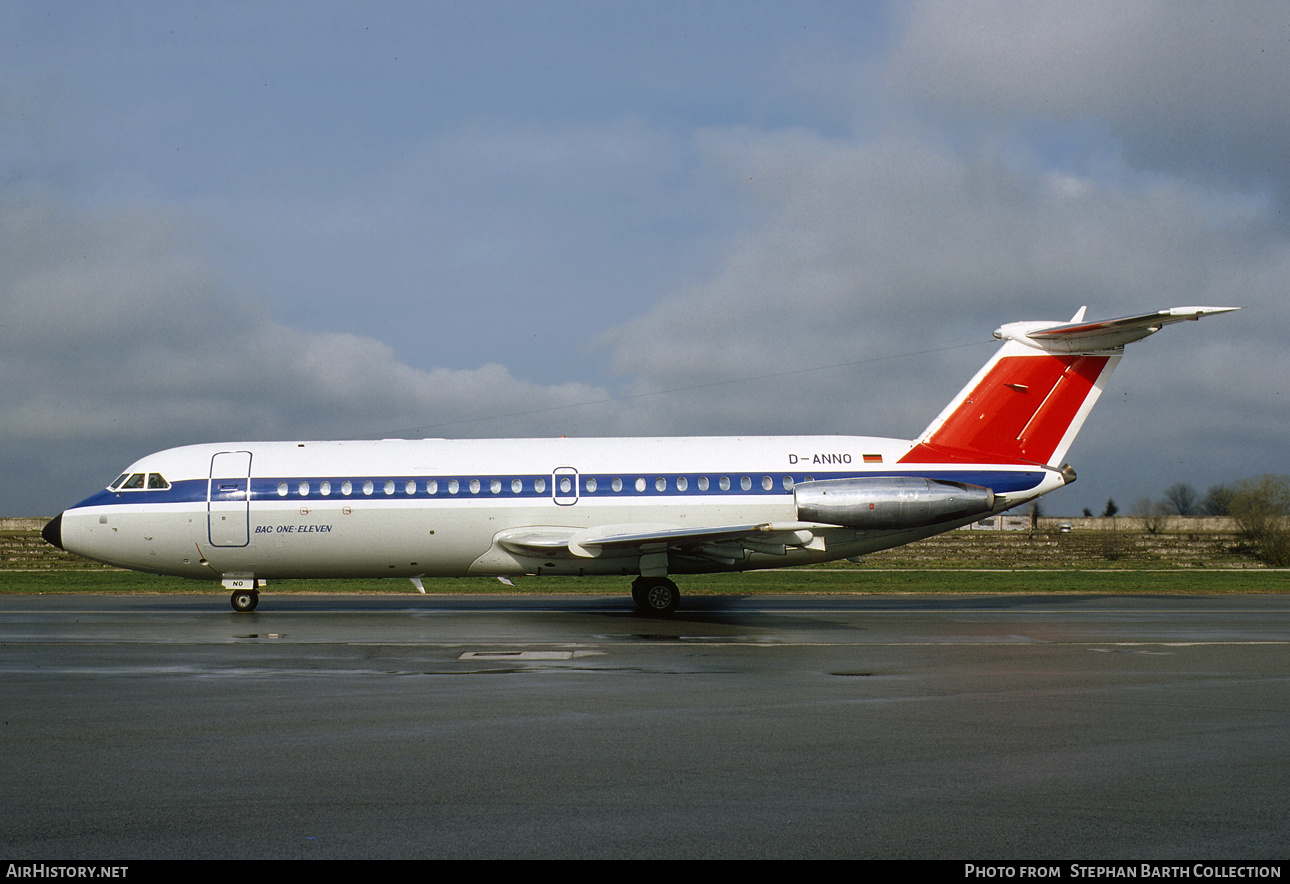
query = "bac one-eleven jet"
x=648 y=508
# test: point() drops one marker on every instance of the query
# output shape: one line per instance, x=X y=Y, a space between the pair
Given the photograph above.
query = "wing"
x=720 y=543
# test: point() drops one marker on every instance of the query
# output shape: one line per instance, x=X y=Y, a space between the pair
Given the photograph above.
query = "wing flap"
x=614 y=538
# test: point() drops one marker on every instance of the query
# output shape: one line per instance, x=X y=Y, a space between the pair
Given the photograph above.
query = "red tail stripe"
x=1019 y=412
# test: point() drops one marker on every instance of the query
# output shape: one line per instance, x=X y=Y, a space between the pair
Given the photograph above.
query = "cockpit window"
x=139 y=481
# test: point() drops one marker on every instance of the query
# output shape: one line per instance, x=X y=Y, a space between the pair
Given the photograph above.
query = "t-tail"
x=1028 y=402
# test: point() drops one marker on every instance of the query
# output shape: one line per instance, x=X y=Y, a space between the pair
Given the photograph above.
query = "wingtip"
x=1198 y=312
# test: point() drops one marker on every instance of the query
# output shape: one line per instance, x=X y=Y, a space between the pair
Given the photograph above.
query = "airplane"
x=248 y=512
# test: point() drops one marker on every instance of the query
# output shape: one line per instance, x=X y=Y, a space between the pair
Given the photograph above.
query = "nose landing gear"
x=244 y=600
x=246 y=593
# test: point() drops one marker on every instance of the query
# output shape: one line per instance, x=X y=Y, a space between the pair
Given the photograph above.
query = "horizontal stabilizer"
x=1078 y=336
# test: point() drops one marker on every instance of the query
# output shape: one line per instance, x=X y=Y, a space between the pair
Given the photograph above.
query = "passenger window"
x=516 y=486
x=745 y=483
x=495 y=486
x=703 y=483
x=767 y=483
x=368 y=487
x=410 y=488
x=539 y=486
x=474 y=486
x=432 y=487
x=640 y=484
x=303 y=490
x=324 y=489
x=346 y=487
x=591 y=486
x=724 y=483
x=617 y=484
x=389 y=486
x=682 y=483
x=282 y=489
x=660 y=484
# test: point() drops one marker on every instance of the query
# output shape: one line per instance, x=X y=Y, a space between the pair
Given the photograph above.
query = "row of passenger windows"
x=564 y=485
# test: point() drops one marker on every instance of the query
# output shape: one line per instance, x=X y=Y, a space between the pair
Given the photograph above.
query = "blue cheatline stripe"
x=266 y=489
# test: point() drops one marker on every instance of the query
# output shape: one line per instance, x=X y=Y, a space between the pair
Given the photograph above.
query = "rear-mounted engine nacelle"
x=889 y=502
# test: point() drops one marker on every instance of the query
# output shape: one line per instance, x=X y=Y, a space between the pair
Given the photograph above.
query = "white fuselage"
x=434 y=507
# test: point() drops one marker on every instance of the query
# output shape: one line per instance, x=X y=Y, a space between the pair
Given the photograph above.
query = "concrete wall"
x=1171 y=524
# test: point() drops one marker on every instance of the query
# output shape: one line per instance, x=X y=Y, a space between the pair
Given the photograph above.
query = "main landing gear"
x=656 y=596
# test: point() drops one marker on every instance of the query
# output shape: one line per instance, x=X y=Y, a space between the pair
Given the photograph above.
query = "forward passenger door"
x=228 y=499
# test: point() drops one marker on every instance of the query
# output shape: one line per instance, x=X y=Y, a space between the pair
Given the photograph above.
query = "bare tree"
x=1218 y=500
x=1154 y=515
x=1182 y=499
x=1261 y=508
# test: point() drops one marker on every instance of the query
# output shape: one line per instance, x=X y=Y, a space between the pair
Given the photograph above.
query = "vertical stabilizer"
x=1029 y=401
x=1023 y=407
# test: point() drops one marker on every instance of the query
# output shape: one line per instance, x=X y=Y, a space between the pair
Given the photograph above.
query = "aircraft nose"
x=53 y=532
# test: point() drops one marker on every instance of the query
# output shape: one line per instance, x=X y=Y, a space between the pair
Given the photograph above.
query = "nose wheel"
x=656 y=596
x=244 y=600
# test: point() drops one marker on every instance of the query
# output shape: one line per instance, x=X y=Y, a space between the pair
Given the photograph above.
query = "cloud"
x=880 y=256
x=898 y=247
x=496 y=235
x=1023 y=160
x=1188 y=88
x=117 y=339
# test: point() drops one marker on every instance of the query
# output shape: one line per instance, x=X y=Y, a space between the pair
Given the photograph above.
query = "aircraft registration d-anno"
x=648 y=508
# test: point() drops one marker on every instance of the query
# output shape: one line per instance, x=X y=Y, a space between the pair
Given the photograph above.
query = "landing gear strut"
x=655 y=595
x=244 y=600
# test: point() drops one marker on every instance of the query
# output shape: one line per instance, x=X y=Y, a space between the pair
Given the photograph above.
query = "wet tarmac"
x=962 y=727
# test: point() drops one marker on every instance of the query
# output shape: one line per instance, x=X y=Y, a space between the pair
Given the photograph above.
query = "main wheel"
x=244 y=600
x=655 y=595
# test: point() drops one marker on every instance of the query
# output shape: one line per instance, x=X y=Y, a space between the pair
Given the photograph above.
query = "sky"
x=317 y=220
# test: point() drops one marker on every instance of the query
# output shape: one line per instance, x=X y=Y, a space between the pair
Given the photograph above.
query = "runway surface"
x=964 y=727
